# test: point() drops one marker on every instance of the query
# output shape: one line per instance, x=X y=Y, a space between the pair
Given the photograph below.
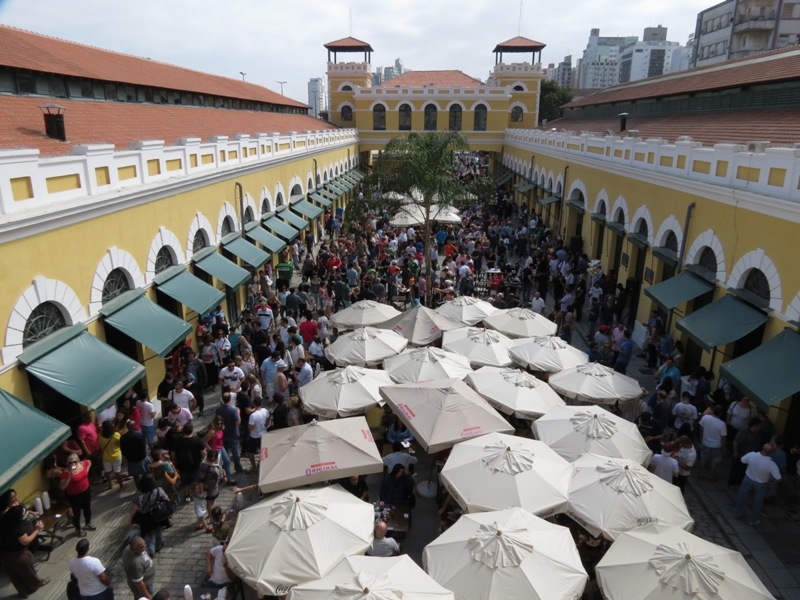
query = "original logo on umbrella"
x=471 y=432
x=406 y=410
x=321 y=467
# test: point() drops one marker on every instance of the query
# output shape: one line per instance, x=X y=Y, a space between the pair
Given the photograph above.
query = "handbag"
x=156 y=515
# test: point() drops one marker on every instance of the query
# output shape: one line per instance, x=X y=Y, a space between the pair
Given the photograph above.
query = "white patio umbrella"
x=421 y=325
x=671 y=564
x=298 y=536
x=467 y=309
x=594 y=382
x=481 y=347
x=318 y=451
x=546 y=353
x=373 y=578
x=364 y=313
x=365 y=347
x=610 y=495
x=445 y=214
x=443 y=412
x=395 y=196
x=512 y=391
x=410 y=215
x=423 y=364
x=497 y=471
x=521 y=322
x=573 y=431
x=344 y=392
x=504 y=555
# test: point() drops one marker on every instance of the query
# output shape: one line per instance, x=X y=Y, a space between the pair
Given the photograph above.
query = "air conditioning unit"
x=633 y=133
x=757 y=147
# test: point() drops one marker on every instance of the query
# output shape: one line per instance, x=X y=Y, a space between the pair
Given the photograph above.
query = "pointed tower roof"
x=519 y=44
x=349 y=44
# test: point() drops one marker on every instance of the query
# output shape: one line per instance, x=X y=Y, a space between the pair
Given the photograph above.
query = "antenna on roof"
x=351 y=21
x=519 y=26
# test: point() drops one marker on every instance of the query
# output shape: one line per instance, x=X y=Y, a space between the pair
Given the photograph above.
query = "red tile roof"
x=519 y=44
x=119 y=123
x=781 y=127
x=439 y=79
x=27 y=50
x=777 y=65
x=348 y=43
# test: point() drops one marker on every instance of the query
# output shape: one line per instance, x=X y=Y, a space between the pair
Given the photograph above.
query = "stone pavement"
x=771 y=548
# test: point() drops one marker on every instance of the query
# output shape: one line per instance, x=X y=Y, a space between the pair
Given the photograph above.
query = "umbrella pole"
x=430 y=488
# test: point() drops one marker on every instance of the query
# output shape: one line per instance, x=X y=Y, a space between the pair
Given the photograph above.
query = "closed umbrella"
x=520 y=323
x=421 y=325
x=481 y=347
x=443 y=412
x=497 y=471
x=408 y=216
x=298 y=536
x=504 y=555
x=318 y=451
x=546 y=353
x=573 y=431
x=365 y=347
x=512 y=391
x=610 y=495
x=364 y=313
x=594 y=382
x=467 y=309
x=669 y=563
x=373 y=578
x=344 y=392
x=423 y=364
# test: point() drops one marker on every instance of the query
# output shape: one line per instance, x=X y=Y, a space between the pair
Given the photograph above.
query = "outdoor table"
x=397 y=518
x=51 y=520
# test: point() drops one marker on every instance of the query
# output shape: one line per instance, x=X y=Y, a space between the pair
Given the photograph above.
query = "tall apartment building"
x=384 y=74
x=599 y=66
x=739 y=28
x=561 y=74
x=653 y=56
x=317 y=96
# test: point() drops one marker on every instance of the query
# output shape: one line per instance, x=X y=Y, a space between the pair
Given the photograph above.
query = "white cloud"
x=274 y=40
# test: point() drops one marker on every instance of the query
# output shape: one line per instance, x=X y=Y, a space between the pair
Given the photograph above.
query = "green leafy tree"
x=551 y=98
x=414 y=175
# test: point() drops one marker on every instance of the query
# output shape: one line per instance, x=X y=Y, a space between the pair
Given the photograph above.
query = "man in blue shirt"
x=625 y=352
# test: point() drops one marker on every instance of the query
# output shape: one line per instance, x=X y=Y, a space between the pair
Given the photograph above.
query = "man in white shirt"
x=537 y=303
x=256 y=425
x=216 y=564
x=712 y=442
x=399 y=456
x=147 y=414
x=182 y=397
x=180 y=415
x=231 y=375
x=382 y=545
x=303 y=371
x=761 y=470
x=93 y=582
x=664 y=466
x=264 y=314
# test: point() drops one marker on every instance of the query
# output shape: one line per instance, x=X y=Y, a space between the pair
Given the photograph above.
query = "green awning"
x=350 y=178
x=504 y=178
x=138 y=317
x=769 y=373
x=249 y=253
x=28 y=436
x=599 y=218
x=337 y=187
x=499 y=173
x=527 y=185
x=615 y=227
x=666 y=255
x=549 y=200
x=319 y=199
x=357 y=174
x=292 y=219
x=305 y=208
x=326 y=193
x=216 y=265
x=677 y=290
x=576 y=206
x=638 y=239
x=346 y=184
x=271 y=242
x=78 y=365
x=180 y=285
x=284 y=230
x=721 y=322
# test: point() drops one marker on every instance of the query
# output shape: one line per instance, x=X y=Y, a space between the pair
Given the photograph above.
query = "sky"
x=282 y=40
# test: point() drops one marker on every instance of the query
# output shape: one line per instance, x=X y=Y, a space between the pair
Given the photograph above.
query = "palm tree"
x=414 y=175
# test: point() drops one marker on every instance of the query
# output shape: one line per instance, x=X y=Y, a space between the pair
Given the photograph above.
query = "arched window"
x=379 y=117
x=516 y=114
x=671 y=241
x=641 y=228
x=405 y=117
x=347 y=113
x=455 y=117
x=518 y=88
x=44 y=320
x=347 y=88
x=164 y=258
x=479 y=123
x=708 y=260
x=430 y=117
x=248 y=214
x=756 y=283
x=116 y=283
x=279 y=199
x=200 y=241
x=264 y=206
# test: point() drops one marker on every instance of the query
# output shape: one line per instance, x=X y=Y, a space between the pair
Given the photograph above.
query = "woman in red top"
x=75 y=483
x=214 y=441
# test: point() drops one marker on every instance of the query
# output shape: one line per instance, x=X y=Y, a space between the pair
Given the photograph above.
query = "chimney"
x=623 y=121
x=54 y=121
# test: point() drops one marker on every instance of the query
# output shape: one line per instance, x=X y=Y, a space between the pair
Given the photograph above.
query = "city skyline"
x=284 y=42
